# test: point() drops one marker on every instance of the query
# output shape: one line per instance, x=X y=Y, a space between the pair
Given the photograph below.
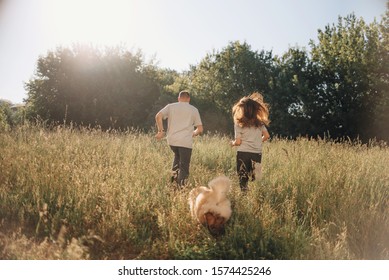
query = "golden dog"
x=211 y=206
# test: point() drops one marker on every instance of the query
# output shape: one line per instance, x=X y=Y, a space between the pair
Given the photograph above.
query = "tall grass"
x=87 y=194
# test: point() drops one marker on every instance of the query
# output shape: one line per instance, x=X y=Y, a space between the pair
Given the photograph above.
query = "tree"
x=380 y=81
x=84 y=85
x=226 y=76
x=290 y=96
x=5 y=113
x=222 y=78
x=347 y=90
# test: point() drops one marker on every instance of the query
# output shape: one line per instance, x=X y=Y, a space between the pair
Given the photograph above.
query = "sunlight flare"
x=99 y=22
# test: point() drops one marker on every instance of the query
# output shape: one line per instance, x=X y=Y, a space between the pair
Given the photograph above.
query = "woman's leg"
x=242 y=167
x=256 y=166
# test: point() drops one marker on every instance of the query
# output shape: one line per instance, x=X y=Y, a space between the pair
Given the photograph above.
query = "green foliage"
x=11 y=115
x=291 y=85
x=86 y=86
x=339 y=88
x=351 y=83
x=222 y=78
x=87 y=194
x=4 y=113
x=379 y=76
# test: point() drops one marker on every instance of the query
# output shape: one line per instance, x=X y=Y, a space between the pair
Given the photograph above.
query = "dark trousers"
x=244 y=166
x=181 y=164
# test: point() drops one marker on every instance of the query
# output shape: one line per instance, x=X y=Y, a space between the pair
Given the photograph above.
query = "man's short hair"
x=184 y=94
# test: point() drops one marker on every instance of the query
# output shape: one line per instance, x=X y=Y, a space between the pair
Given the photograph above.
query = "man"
x=182 y=119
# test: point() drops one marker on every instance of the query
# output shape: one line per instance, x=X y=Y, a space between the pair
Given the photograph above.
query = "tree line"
x=339 y=88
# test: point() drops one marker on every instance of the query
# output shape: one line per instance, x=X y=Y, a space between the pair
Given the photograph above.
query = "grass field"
x=88 y=194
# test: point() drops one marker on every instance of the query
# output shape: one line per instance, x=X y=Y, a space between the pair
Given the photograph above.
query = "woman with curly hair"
x=251 y=115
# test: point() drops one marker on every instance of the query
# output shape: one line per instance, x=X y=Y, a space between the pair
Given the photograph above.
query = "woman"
x=251 y=114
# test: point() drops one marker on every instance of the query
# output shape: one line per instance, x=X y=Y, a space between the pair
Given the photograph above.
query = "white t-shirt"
x=251 y=138
x=182 y=118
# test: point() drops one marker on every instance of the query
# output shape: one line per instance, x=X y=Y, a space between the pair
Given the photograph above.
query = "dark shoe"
x=244 y=190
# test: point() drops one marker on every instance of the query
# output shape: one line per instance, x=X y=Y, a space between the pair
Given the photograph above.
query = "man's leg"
x=176 y=164
x=184 y=163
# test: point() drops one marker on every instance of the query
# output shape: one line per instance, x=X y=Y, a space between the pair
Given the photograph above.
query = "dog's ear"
x=210 y=218
x=220 y=220
x=214 y=220
x=215 y=223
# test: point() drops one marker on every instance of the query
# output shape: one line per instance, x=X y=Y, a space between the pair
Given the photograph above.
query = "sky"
x=175 y=33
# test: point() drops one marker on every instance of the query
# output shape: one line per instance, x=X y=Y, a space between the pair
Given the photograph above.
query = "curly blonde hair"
x=251 y=111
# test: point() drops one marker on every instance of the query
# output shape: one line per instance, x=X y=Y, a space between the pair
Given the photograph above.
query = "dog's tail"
x=221 y=184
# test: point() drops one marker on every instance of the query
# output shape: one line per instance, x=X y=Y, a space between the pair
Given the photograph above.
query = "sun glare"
x=103 y=22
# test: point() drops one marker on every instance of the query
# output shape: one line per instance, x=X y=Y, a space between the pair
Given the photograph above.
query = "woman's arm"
x=265 y=135
x=236 y=142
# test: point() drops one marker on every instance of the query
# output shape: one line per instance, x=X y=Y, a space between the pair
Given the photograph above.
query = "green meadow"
x=69 y=193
